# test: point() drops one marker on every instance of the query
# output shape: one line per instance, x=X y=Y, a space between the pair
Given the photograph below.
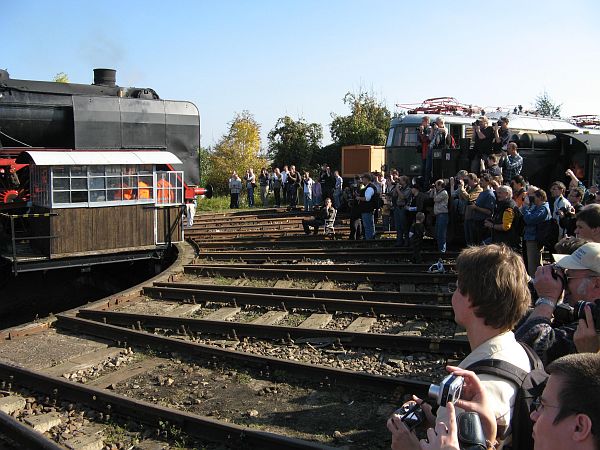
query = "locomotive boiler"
x=92 y=174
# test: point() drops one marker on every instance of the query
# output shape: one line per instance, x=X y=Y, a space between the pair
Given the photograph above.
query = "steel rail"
x=24 y=435
x=257 y=256
x=193 y=425
x=284 y=302
x=371 y=267
x=377 y=296
x=236 y=330
x=384 y=250
x=333 y=376
x=377 y=277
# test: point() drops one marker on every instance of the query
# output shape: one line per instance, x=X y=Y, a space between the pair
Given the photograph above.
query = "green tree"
x=294 y=142
x=238 y=150
x=61 y=77
x=545 y=106
x=204 y=164
x=367 y=123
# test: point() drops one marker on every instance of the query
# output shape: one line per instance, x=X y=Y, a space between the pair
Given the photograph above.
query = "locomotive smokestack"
x=105 y=77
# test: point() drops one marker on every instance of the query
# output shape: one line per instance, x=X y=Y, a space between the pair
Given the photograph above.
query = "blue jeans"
x=250 y=196
x=401 y=222
x=307 y=202
x=441 y=226
x=369 y=224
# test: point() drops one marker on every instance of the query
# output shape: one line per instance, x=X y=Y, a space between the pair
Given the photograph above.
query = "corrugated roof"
x=96 y=158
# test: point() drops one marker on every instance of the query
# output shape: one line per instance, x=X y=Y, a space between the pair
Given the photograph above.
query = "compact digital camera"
x=448 y=390
x=411 y=415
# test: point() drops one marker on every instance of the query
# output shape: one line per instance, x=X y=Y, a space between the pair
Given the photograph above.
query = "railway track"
x=324 y=343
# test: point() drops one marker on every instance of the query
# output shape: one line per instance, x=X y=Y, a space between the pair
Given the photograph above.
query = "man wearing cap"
x=576 y=277
x=367 y=202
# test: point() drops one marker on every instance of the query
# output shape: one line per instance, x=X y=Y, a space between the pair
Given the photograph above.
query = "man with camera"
x=564 y=415
x=491 y=296
x=577 y=278
x=501 y=135
x=483 y=136
x=511 y=162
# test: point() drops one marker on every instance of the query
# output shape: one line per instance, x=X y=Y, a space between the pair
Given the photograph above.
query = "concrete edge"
x=185 y=254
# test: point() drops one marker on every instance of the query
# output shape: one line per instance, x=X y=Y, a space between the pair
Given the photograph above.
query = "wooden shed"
x=101 y=206
x=358 y=159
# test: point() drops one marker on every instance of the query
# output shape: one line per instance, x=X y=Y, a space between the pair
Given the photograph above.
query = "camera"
x=448 y=390
x=500 y=122
x=565 y=314
x=411 y=415
x=476 y=123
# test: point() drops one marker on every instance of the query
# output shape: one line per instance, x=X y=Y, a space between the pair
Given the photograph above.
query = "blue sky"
x=299 y=58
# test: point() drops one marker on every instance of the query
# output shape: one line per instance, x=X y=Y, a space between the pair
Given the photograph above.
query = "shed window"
x=113 y=185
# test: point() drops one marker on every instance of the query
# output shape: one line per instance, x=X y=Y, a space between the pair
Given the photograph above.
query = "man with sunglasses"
x=573 y=278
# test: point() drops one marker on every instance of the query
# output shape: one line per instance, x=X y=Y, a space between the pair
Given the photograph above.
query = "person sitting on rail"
x=490 y=297
x=326 y=217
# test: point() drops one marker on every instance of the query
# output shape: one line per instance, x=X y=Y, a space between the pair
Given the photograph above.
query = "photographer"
x=567 y=215
x=401 y=198
x=511 y=162
x=501 y=135
x=483 y=136
x=566 y=415
x=577 y=277
x=423 y=147
x=437 y=139
x=491 y=296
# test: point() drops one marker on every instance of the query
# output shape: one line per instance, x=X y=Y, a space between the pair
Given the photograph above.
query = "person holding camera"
x=572 y=279
x=483 y=136
x=437 y=139
x=401 y=198
x=511 y=162
x=440 y=211
x=536 y=213
x=423 y=132
x=566 y=414
x=488 y=300
x=567 y=216
x=502 y=135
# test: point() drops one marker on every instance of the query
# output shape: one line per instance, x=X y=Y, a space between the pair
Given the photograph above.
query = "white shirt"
x=501 y=393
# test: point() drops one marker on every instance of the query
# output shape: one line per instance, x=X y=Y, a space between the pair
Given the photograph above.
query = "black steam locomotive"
x=90 y=173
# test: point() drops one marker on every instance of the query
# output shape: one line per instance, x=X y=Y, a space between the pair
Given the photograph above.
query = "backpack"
x=530 y=386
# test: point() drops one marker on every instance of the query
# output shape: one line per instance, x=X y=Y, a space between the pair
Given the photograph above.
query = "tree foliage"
x=545 y=106
x=237 y=150
x=294 y=142
x=61 y=77
x=367 y=123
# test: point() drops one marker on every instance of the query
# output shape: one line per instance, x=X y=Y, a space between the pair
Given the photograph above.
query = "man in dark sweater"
x=325 y=216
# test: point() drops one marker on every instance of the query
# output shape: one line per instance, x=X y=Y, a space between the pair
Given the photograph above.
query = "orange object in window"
x=164 y=194
x=143 y=190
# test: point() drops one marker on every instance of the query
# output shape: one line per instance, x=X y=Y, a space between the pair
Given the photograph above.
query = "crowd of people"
x=286 y=186
x=545 y=398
